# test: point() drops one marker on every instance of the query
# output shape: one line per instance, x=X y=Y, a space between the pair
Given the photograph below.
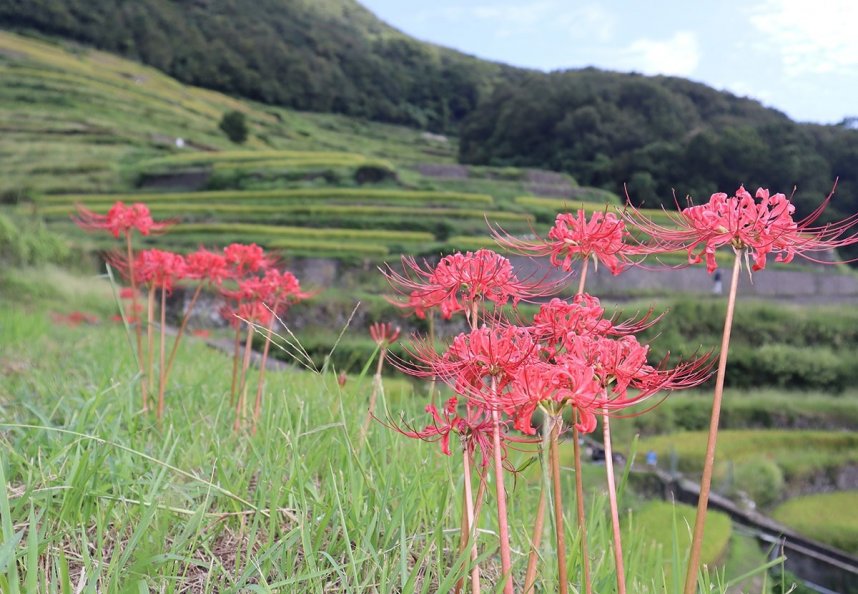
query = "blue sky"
x=798 y=56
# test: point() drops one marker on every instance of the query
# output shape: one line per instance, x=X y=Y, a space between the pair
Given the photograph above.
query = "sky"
x=798 y=56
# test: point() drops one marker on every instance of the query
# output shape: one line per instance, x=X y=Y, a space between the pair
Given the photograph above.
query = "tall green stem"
x=236 y=351
x=539 y=521
x=242 y=384
x=377 y=387
x=181 y=332
x=260 y=385
x=471 y=523
x=503 y=524
x=138 y=324
x=536 y=538
x=162 y=378
x=579 y=496
x=150 y=337
x=612 y=498
x=709 y=462
x=560 y=532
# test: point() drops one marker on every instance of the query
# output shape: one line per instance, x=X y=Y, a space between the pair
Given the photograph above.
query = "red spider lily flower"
x=209 y=266
x=257 y=296
x=282 y=288
x=383 y=333
x=419 y=303
x=74 y=318
x=461 y=280
x=160 y=268
x=557 y=320
x=615 y=362
x=573 y=237
x=156 y=268
x=552 y=386
x=621 y=363
x=202 y=333
x=126 y=293
x=474 y=429
x=245 y=259
x=121 y=219
x=756 y=225
x=253 y=311
x=578 y=387
x=475 y=361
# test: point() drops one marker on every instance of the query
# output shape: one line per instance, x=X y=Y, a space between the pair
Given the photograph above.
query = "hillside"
x=660 y=135
x=657 y=135
x=324 y=56
x=84 y=126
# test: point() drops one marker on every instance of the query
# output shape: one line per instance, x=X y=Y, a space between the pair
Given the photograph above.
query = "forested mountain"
x=317 y=55
x=656 y=134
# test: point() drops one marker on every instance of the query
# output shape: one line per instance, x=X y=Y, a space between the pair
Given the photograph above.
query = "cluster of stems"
x=572 y=359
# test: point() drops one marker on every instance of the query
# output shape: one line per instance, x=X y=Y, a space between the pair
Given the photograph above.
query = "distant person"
x=717 y=287
x=651 y=458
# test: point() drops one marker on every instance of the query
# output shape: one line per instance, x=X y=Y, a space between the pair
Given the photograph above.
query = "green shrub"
x=234 y=125
x=760 y=478
x=29 y=243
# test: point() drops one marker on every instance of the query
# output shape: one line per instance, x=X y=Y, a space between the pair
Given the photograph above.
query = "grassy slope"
x=79 y=121
x=97 y=489
x=827 y=517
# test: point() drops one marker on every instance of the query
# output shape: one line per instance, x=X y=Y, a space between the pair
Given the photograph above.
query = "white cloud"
x=525 y=15
x=580 y=21
x=811 y=37
x=678 y=55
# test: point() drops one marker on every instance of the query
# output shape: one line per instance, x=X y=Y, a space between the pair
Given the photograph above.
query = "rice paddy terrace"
x=85 y=127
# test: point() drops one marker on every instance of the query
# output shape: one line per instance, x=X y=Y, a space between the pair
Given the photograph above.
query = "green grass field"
x=827 y=517
x=667 y=528
x=797 y=453
x=100 y=498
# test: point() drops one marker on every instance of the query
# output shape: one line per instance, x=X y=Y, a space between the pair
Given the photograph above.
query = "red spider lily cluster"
x=756 y=226
x=574 y=237
x=255 y=290
x=75 y=318
x=121 y=220
x=570 y=357
x=460 y=282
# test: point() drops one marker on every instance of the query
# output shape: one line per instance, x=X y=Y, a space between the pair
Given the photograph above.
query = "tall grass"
x=99 y=498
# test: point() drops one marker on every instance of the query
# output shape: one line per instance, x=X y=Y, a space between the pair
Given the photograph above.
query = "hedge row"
x=288 y=246
x=797 y=453
x=380 y=235
x=757 y=409
x=357 y=210
x=558 y=205
x=350 y=194
x=212 y=158
x=810 y=348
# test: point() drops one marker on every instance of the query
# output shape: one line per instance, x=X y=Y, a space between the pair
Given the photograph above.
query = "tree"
x=234 y=125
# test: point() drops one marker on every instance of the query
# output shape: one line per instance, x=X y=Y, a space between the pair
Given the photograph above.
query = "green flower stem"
x=709 y=462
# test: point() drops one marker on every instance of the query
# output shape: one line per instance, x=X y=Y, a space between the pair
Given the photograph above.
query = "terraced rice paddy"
x=827 y=517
